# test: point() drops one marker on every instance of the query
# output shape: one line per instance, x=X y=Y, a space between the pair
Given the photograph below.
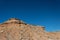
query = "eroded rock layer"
x=15 y=29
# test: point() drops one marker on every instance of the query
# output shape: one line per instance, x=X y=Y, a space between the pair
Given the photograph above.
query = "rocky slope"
x=15 y=29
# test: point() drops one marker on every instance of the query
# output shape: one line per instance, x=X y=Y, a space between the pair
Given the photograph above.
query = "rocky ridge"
x=15 y=29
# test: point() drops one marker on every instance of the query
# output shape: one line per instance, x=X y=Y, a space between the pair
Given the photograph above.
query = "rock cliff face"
x=15 y=29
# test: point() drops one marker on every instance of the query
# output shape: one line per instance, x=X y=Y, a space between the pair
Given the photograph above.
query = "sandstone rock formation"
x=15 y=29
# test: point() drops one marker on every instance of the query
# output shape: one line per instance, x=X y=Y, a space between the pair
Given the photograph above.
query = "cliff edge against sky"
x=15 y=29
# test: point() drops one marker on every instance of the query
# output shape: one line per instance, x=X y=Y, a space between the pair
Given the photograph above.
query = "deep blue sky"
x=38 y=12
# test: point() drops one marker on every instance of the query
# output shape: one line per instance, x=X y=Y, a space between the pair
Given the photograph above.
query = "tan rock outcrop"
x=15 y=29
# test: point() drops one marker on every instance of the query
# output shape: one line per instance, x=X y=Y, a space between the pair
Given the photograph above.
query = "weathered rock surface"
x=15 y=29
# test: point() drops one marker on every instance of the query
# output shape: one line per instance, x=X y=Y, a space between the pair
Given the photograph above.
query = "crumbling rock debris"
x=15 y=29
